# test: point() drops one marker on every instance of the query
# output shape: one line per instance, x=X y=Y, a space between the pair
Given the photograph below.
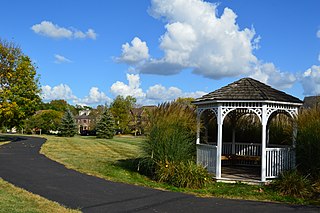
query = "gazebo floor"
x=241 y=173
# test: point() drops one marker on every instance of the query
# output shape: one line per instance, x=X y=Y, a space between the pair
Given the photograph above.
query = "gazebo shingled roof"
x=248 y=89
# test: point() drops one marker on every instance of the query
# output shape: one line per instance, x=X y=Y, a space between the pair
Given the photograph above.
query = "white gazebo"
x=243 y=97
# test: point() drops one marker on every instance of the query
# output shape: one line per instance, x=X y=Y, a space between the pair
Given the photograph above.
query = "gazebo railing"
x=245 y=149
x=279 y=160
x=207 y=156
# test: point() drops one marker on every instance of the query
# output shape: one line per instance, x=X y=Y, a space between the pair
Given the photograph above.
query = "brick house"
x=84 y=121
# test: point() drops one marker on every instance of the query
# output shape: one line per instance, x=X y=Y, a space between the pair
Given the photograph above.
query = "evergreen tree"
x=105 y=126
x=68 y=126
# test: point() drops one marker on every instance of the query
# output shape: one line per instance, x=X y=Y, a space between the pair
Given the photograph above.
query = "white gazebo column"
x=294 y=134
x=219 y=143
x=264 y=121
x=233 y=140
x=268 y=136
x=198 y=126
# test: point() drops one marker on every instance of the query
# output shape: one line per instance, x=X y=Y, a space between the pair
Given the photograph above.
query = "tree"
x=105 y=126
x=61 y=106
x=19 y=85
x=95 y=114
x=45 y=120
x=135 y=123
x=120 y=109
x=186 y=101
x=68 y=127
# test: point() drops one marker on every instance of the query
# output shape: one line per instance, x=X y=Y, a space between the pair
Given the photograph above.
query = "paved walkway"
x=22 y=165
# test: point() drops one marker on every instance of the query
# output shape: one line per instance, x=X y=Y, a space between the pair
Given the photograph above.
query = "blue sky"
x=88 y=52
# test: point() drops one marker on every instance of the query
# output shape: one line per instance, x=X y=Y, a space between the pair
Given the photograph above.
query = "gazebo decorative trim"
x=243 y=97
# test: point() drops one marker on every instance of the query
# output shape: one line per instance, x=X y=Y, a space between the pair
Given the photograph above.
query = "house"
x=139 y=119
x=311 y=101
x=84 y=121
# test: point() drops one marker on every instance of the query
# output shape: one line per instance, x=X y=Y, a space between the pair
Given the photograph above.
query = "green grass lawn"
x=110 y=159
x=14 y=199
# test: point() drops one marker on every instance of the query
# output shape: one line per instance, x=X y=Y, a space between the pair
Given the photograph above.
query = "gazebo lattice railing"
x=277 y=159
x=243 y=97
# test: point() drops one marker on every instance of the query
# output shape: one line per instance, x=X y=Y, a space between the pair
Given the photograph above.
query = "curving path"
x=22 y=165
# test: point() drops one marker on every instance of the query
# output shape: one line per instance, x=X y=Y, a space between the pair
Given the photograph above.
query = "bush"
x=171 y=143
x=294 y=184
x=308 y=142
x=170 y=146
x=172 y=133
x=182 y=174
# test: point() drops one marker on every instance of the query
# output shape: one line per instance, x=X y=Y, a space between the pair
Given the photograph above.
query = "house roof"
x=311 y=101
x=248 y=89
x=83 y=117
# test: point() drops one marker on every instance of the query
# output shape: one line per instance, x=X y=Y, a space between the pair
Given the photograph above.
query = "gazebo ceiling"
x=248 y=89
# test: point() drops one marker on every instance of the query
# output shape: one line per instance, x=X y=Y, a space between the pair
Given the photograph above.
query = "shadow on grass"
x=142 y=166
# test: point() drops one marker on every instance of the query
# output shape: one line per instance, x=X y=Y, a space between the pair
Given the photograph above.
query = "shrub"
x=172 y=131
x=170 y=146
x=308 y=142
x=182 y=174
x=170 y=142
x=316 y=189
x=293 y=183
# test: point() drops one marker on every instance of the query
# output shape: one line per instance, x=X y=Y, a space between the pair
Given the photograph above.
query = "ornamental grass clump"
x=294 y=184
x=308 y=142
x=170 y=146
x=183 y=174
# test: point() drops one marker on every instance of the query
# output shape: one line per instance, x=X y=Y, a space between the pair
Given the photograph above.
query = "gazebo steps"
x=240 y=180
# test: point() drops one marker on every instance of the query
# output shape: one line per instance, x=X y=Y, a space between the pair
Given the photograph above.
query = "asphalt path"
x=22 y=165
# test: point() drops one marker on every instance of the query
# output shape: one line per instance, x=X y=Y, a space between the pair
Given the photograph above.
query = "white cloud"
x=61 y=59
x=318 y=33
x=91 y=34
x=196 y=94
x=197 y=38
x=47 y=28
x=155 y=94
x=160 y=93
x=134 y=53
x=213 y=46
x=161 y=67
x=132 y=88
x=95 y=97
x=310 y=81
x=61 y=91
x=269 y=74
x=319 y=57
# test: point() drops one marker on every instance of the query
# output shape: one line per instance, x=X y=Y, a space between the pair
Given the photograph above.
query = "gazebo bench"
x=233 y=158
